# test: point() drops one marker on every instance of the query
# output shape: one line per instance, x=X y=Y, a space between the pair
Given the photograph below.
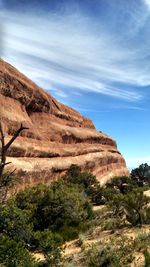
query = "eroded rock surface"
x=58 y=136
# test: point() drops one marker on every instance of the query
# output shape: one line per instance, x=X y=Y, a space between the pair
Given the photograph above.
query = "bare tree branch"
x=16 y=134
x=2 y=134
x=6 y=181
x=3 y=157
x=5 y=147
x=2 y=138
x=4 y=164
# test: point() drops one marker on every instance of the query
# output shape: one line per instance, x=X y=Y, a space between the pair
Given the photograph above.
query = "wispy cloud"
x=91 y=55
x=73 y=51
x=130 y=107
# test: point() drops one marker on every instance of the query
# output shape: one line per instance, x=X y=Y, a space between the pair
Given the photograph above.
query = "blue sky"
x=93 y=55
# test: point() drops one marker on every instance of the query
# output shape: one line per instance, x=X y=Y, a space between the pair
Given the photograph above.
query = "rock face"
x=58 y=136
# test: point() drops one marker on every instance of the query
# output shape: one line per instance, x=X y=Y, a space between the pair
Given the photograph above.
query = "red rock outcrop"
x=58 y=136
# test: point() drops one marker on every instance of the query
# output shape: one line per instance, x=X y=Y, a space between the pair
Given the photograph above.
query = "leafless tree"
x=5 y=179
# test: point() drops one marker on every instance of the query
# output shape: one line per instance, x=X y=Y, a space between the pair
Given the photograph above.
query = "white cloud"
x=67 y=52
x=147 y=2
x=60 y=93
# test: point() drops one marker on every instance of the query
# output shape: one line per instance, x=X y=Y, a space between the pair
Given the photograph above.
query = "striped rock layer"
x=58 y=136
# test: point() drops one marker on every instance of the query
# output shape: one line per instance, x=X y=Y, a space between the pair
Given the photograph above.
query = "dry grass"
x=73 y=252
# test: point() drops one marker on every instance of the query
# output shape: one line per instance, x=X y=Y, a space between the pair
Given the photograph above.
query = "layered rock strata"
x=58 y=136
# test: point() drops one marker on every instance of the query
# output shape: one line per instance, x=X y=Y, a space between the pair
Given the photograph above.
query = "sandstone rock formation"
x=58 y=136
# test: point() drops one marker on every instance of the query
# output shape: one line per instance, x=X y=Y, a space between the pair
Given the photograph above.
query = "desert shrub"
x=117 y=205
x=116 y=253
x=7 y=181
x=46 y=240
x=132 y=207
x=147 y=216
x=17 y=226
x=141 y=175
x=35 y=215
x=14 y=253
x=147 y=259
x=49 y=244
x=15 y=222
x=141 y=241
x=57 y=208
x=118 y=185
x=109 y=193
x=86 y=181
x=121 y=184
x=135 y=204
x=73 y=172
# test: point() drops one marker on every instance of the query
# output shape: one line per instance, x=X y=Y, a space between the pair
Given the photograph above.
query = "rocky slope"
x=57 y=137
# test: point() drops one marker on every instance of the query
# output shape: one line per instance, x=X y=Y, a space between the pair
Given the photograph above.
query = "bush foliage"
x=41 y=218
x=86 y=181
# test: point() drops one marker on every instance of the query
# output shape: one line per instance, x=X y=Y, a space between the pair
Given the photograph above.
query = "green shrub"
x=56 y=208
x=135 y=204
x=132 y=207
x=15 y=222
x=141 y=175
x=116 y=253
x=121 y=184
x=34 y=216
x=7 y=181
x=87 y=182
x=147 y=259
x=14 y=253
x=48 y=243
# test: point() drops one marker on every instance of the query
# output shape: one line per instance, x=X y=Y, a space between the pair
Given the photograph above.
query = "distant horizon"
x=90 y=55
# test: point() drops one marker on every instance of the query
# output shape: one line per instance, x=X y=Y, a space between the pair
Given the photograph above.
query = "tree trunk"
x=5 y=147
